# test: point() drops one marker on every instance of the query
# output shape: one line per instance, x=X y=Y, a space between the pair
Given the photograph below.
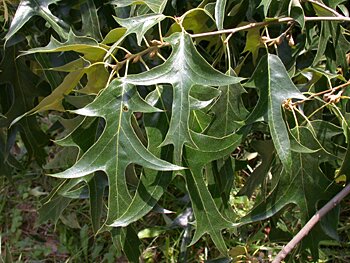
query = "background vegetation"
x=173 y=131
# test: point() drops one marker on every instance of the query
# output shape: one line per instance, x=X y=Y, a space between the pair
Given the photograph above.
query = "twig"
x=136 y=57
x=312 y=222
x=331 y=90
x=274 y=21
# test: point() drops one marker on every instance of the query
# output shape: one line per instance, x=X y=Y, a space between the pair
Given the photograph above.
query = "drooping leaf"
x=118 y=146
x=23 y=86
x=305 y=185
x=27 y=9
x=183 y=69
x=140 y=24
x=266 y=150
x=208 y=218
x=157 y=6
x=7 y=161
x=275 y=86
x=97 y=75
x=332 y=35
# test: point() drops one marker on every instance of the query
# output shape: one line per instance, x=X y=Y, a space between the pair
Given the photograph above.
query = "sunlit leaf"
x=27 y=9
x=220 y=13
x=140 y=24
x=275 y=86
x=183 y=69
x=118 y=145
x=157 y=6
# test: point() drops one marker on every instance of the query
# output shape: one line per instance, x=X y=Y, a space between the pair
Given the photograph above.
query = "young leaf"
x=275 y=86
x=118 y=146
x=183 y=69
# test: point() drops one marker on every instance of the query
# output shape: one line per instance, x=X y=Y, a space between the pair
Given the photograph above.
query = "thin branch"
x=331 y=91
x=270 y=22
x=312 y=222
x=136 y=57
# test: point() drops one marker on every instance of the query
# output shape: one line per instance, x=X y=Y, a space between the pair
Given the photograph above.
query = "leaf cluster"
x=217 y=99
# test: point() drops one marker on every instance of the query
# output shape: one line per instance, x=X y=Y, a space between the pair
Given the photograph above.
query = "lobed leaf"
x=183 y=69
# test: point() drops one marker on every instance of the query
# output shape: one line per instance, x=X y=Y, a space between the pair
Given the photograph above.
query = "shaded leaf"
x=152 y=184
x=296 y=11
x=229 y=111
x=305 y=185
x=90 y=22
x=208 y=218
x=266 y=151
x=24 y=90
x=265 y=4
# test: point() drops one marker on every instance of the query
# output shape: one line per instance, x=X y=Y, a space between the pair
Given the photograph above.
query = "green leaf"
x=296 y=11
x=53 y=209
x=275 y=86
x=7 y=161
x=220 y=13
x=267 y=153
x=332 y=38
x=208 y=218
x=266 y=5
x=118 y=146
x=23 y=90
x=92 y=50
x=253 y=43
x=97 y=75
x=28 y=8
x=152 y=184
x=114 y=35
x=229 y=111
x=90 y=22
x=183 y=69
x=305 y=185
x=157 y=6
x=54 y=100
x=140 y=24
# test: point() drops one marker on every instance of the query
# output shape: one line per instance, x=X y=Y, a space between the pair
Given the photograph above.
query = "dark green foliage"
x=151 y=114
